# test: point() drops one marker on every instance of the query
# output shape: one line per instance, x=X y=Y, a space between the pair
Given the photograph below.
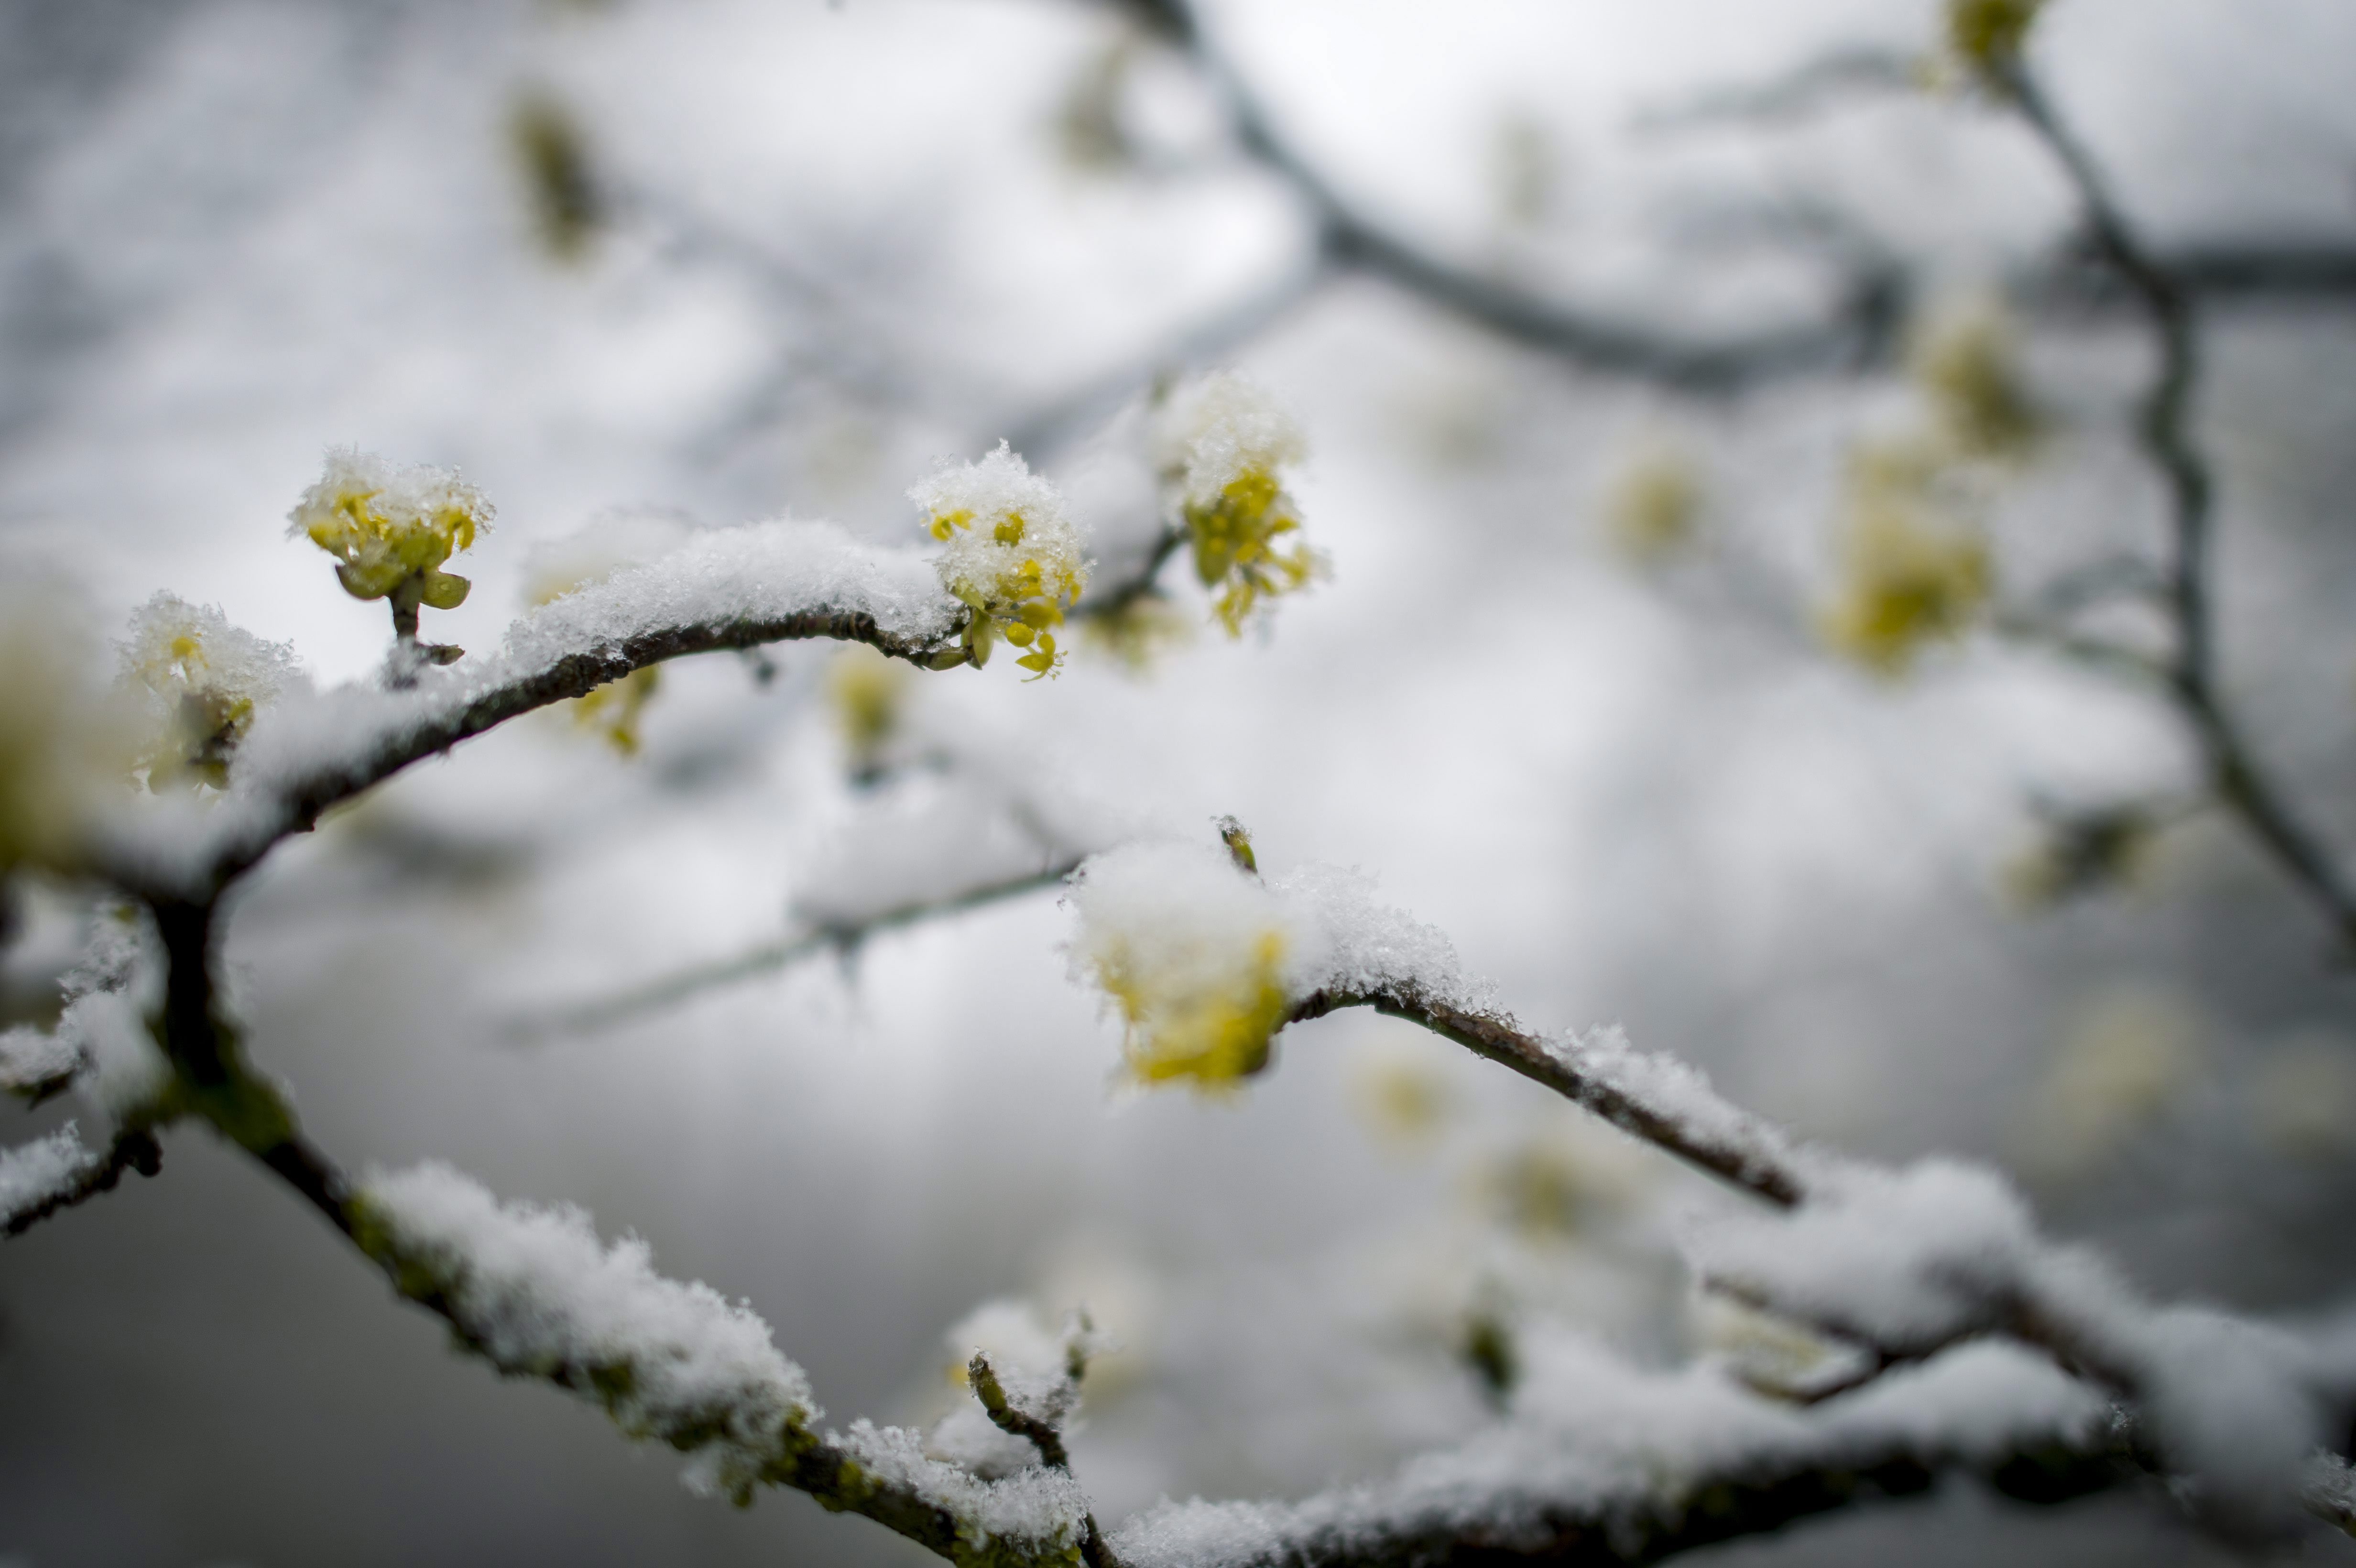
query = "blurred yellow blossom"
x=1910 y=573
x=1652 y=508
x=1404 y=1100
x=1964 y=358
x=868 y=693
x=1013 y=555
x=1985 y=36
x=2126 y=1052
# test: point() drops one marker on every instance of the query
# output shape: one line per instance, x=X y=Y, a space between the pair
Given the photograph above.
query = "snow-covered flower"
x=1192 y=950
x=1014 y=554
x=1910 y=574
x=1221 y=444
x=203 y=681
x=391 y=526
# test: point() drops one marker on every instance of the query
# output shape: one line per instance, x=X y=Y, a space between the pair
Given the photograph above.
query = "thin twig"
x=839 y=936
x=1737 y=1148
x=2163 y=429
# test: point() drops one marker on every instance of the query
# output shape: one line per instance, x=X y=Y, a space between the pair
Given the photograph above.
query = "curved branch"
x=750 y=1410
x=1651 y=1098
x=1857 y=330
x=295 y=766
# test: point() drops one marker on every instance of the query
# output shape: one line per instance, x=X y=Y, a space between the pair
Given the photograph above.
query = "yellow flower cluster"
x=1236 y=552
x=204 y=680
x=1915 y=567
x=1223 y=444
x=1196 y=953
x=1013 y=556
x=390 y=528
x=1211 y=1026
x=1910 y=576
x=1985 y=36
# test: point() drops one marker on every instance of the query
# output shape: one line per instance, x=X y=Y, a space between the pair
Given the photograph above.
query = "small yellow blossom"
x=203 y=680
x=1404 y=1100
x=1909 y=575
x=390 y=528
x=1963 y=361
x=1985 y=36
x=1014 y=556
x=1213 y=1028
x=1653 y=509
x=868 y=693
x=1223 y=443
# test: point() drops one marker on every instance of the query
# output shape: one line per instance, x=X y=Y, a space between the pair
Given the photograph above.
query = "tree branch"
x=286 y=777
x=840 y=936
x=1623 y=1086
x=2164 y=430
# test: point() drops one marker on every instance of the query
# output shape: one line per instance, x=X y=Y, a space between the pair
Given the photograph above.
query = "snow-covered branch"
x=729 y=589
x=1207 y=962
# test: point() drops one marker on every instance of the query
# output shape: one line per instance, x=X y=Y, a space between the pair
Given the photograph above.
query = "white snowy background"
x=846 y=242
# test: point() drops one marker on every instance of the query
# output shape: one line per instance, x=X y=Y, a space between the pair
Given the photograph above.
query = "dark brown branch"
x=1752 y=1157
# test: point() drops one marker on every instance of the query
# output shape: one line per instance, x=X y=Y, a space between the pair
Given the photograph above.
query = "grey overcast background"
x=842 y=240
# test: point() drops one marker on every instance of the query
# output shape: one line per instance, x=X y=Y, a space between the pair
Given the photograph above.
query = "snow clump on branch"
x=534 y=1291
x=1014 y=554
